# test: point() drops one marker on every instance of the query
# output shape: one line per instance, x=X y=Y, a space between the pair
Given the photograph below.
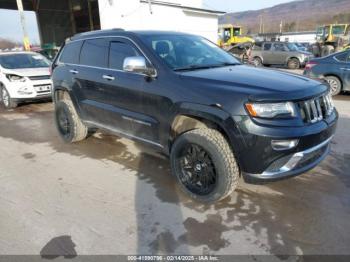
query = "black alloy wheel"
x=197 y=170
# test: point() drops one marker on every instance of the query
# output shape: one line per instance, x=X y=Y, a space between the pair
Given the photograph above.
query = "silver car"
x=279 y=53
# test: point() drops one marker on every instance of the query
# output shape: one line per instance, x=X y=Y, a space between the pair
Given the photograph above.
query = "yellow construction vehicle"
x=230 y=35
x=331 y=38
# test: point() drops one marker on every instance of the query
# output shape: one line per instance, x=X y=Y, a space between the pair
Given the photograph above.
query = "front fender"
x=214 y=114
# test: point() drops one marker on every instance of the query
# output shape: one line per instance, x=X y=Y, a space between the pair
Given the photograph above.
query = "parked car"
x=216 y=118
x=279 y=53
x=241 y=51
x=24 y=76
x=335 y=69
x=301 y=47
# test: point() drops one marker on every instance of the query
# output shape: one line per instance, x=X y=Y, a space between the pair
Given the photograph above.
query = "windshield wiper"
x=198 y=67
x=193 y=67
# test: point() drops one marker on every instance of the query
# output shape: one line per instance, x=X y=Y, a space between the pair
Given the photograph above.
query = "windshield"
x=181 y=52
x=338 y=29
x=18 y=61
x=292 y=47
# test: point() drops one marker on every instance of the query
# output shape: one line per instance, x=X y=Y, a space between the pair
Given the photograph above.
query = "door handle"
x=73 y=71
x=345 y=69
x=108 y=77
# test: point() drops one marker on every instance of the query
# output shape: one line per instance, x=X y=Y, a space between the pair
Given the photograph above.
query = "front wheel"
x=204 y=165
x=293 y=63
x=257 y=62
x=6 y=99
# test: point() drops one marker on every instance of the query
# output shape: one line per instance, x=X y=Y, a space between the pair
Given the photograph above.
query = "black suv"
x=181 y=94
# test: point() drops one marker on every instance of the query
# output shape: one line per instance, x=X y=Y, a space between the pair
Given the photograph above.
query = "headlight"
x=271 y=110
x=15 y=78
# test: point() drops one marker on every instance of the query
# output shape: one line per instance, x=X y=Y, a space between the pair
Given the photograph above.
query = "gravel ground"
x=108 y=195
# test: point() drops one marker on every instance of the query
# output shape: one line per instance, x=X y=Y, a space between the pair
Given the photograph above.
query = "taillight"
x=310 y=65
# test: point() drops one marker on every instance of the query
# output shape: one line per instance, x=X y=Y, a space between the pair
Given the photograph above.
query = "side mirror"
x=137 y=64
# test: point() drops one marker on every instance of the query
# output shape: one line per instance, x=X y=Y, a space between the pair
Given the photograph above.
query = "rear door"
x=346 y=73
x=89 y=88
x=280 y=54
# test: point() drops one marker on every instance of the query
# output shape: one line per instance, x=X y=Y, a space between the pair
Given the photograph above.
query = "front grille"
x=316 y=109
x=44 y=77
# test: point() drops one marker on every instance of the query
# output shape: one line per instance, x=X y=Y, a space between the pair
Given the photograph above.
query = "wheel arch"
x=61 y=93
x=192 y=116
x=293 y=57
x=260 y=57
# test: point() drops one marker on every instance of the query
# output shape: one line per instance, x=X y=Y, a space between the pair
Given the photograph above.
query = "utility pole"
x=150 y=6
x=26 y=42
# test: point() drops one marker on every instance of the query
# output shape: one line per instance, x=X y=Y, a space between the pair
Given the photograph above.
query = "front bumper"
x=29 y=90
x=251 y=143
x=295 y=164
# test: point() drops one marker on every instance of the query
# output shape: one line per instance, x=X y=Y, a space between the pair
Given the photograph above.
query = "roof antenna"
x=150 y=6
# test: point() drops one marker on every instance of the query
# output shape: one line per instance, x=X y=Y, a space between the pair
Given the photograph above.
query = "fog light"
x=280 y=145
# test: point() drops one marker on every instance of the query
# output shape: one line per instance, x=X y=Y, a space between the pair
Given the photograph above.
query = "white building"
x=299 y=37
x=174 y=15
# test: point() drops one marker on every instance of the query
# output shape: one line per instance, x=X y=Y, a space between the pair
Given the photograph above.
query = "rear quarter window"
x=70 y=53
x=342 y=57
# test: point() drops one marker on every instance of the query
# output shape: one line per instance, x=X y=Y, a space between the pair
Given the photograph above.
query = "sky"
x=10 y=27
x=238 y=6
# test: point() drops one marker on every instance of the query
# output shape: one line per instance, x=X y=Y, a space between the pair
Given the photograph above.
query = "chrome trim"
x=107 y=77
x=294 y=160
x=104 y=37
x=136 y=121
x=122 y=133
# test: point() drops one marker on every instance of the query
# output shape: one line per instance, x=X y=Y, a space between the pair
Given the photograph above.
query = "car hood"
x=257 y=83
x=29 y=71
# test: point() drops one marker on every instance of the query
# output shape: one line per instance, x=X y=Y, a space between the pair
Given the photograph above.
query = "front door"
x=123 y=94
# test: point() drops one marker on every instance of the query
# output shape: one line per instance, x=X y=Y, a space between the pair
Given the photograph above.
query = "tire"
x=68 y=123
x=293 y=63
x=257 y=62
x=327 y=50
x=335 y=84
x=6 y=99
x=222 y=164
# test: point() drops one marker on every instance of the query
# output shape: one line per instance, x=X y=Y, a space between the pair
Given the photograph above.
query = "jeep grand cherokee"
x=181 y=94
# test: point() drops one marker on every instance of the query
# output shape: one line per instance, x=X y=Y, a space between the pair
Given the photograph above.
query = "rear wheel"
x=204 y=165
x=68 y=123
x=6 y=99
x=334 y=84
x=293 y=63
x=257 y=61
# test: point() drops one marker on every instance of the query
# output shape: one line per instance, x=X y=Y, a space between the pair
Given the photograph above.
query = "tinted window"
x=94 y=53
x=70 y=53
x=118 y=52
x=279 y=47
x=342 y=56
x=17 y=61
x=267 y=46
x=257 y=46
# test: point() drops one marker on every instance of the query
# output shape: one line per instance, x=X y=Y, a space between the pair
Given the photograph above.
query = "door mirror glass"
x=137 y=64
